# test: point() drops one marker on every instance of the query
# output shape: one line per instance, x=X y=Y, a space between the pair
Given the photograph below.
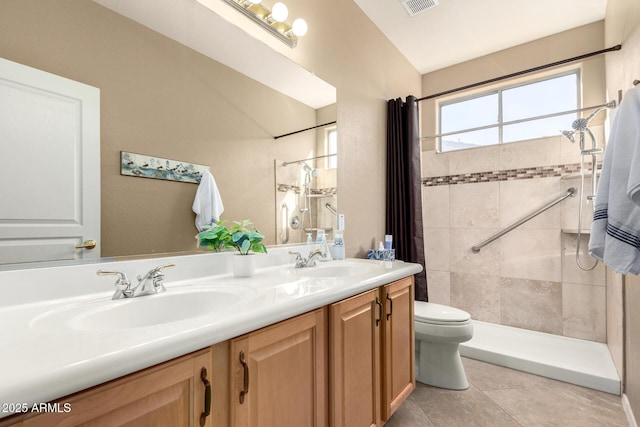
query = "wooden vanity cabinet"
x=354 y=362
x=278 y=374
x=398 y=348
x=169 y=394
x=371 y=355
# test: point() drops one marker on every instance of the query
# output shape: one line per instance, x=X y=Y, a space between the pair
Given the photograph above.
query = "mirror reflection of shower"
x=306 y=197
x=590 y=151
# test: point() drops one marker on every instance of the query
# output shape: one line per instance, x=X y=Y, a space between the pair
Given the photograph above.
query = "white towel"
x=615 y=232
x=207 y=205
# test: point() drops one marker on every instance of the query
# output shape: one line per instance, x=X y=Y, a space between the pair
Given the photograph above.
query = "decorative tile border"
x=505 y=175
x=283 y=188
x=329 y=191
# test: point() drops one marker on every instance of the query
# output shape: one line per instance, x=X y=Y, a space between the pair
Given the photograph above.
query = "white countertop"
x=42 y=359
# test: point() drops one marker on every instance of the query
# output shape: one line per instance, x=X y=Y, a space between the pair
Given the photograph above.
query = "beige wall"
x=622 y=26
x=535 y=262
x=172 y=102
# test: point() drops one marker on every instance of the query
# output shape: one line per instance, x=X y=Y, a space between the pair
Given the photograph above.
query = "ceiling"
x=459 y=30
x=452 y=32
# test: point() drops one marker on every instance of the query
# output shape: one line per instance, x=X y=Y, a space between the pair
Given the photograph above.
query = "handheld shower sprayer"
x=569 y=135
x=581 y=127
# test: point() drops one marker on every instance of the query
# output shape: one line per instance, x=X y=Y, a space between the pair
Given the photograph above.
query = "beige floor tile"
x=499 y=396
x=409 y=414
x=557 y=406
x=469 y=407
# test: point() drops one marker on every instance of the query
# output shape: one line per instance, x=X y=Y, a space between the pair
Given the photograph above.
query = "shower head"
x=580 y=124
x=309 y=170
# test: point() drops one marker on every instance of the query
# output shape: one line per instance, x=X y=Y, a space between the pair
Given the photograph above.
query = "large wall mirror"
x=162 y=95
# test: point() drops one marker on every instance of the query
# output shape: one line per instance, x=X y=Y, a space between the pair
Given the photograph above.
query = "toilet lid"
x=430 y=312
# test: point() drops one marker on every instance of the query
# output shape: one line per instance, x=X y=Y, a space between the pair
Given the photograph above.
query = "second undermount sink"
x=174 y=305
x=337 y=269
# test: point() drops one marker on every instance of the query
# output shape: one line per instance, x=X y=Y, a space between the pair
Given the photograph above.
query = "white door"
x=49 y=166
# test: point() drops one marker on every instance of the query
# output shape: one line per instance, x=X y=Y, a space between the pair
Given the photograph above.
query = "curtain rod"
x=519 y=73
x=304 y=130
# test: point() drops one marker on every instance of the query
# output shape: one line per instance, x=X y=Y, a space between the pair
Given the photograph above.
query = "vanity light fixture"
x=273 y=20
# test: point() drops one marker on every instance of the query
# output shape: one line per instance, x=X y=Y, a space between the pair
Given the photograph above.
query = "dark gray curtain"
x=404 y=192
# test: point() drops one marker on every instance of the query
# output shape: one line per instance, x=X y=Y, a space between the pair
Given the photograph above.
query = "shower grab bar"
x=569 y=193
x=284 y=222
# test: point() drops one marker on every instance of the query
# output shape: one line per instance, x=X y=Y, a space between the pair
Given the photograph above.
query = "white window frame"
x=330 y=162
x=500 y=124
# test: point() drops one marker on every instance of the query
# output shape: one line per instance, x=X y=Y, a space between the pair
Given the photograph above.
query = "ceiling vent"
x=415 y=7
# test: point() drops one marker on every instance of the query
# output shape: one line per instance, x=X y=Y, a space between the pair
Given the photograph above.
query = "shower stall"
x=528 y=278
x=306 y=199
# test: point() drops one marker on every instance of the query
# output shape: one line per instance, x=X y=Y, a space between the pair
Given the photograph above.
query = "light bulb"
x=279 y=12
x=299 y=27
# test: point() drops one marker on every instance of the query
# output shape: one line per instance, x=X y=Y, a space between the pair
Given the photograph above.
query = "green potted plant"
x=239 y=237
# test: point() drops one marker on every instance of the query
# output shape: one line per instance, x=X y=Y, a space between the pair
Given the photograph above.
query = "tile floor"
x=499 y=396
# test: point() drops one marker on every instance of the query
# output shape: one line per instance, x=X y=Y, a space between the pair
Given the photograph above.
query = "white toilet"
x=439 y=330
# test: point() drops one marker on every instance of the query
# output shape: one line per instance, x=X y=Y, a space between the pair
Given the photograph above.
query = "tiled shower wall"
x=528 y=278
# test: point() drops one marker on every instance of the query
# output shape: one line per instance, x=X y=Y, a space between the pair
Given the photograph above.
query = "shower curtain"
x=404 y=192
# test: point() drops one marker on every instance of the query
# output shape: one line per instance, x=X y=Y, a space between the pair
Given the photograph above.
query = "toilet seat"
x=437 y=314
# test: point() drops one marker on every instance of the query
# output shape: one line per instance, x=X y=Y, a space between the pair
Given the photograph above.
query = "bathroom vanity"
x=331 y=345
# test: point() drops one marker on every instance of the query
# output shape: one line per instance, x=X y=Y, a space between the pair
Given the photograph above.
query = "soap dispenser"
x=324 y=247
x=338 y=240
x=338 y=246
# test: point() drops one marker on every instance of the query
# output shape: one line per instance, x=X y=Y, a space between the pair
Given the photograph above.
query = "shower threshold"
x=572 y=360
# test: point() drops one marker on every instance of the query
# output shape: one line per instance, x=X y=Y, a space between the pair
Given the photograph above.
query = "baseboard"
x=628 y=411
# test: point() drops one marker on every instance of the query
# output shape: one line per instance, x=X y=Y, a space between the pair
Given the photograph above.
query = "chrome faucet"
x=149 y=284
x=309 y=261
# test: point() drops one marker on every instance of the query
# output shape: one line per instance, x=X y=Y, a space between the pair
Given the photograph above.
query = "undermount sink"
x=336 y=269
x=174 y=305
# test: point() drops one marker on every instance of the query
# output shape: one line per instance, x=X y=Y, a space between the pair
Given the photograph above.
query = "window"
x=331 y=147
x=514 y=113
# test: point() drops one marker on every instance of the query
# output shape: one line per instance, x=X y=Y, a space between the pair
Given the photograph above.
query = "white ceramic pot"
x=243 y=265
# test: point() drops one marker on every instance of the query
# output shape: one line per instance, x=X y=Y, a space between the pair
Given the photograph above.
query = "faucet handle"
x=122 y=276
x=163 y=267
x=123 y=284
x=158 y=270
x=156 y=275
x=300 y=261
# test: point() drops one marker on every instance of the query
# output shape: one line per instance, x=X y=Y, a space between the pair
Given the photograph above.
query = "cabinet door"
x=278 y=374
x=355 y=361
x=171 y=394
x=398 y=357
